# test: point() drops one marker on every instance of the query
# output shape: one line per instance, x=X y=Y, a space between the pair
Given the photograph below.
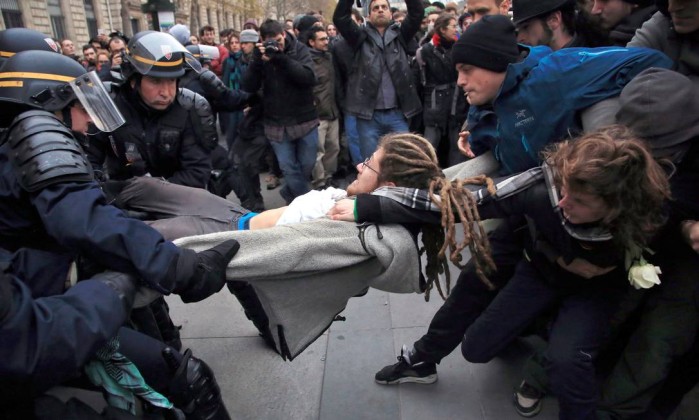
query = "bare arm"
x=267 y=218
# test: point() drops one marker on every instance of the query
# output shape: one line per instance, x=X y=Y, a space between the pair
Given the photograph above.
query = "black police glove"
x=112 y=189
x=193 y=387
x=137 y=168
x=213 y=86
x=123 y=284
x=200 y=275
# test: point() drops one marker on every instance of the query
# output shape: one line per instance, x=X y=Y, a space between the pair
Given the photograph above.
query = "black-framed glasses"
x=365 y=165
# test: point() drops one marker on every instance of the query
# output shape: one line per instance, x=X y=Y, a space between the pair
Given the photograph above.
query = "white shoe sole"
x=429 y=379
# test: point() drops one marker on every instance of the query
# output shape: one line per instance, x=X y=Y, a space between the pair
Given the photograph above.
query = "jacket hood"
x=518 y=71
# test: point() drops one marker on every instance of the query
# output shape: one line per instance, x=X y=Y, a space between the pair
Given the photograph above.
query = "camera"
x=271 y=47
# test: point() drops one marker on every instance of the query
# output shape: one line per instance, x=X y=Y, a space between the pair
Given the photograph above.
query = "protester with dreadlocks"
x=596 y=199
x=401 y=160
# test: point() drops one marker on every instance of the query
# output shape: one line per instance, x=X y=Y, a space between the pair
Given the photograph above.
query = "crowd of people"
x=569 y=122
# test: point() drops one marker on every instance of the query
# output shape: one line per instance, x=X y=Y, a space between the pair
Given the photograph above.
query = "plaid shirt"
x=420 y=200
x=276 y=132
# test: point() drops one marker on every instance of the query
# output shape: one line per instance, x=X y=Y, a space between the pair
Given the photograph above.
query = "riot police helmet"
x=157 y=54
x=14 y=40
x=52 y=82
x=204 y=53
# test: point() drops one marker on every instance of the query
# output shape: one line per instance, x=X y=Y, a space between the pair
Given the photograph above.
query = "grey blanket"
x=305 y=273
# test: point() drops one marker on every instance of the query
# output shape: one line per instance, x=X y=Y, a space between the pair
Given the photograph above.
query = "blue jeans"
x=381 y=123
x=296 y=159
x=353 y=139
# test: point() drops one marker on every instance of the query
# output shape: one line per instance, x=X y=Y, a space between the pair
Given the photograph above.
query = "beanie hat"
x=251 y=22
x=249 y=35
x=306 y=23
x=523 y=10
x=662 y=106
x=490 y=44
x=181 y=33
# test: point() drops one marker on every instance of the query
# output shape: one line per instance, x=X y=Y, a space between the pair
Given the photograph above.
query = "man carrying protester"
x=53 y=213
x=169 y=132
x=673 y=30
x=526 y=114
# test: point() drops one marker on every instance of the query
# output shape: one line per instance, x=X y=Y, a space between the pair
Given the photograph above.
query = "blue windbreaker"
x=541 y=96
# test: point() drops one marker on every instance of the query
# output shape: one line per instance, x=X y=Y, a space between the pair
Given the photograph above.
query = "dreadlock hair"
x=409 y=160
x=617 y=166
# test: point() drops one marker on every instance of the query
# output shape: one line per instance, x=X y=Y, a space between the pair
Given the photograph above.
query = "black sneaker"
x=527 y=400
x=403 y=371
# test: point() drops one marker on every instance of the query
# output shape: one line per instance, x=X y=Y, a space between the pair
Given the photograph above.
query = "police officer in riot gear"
x=170 y=132
x=52 y=210
x=14 y=40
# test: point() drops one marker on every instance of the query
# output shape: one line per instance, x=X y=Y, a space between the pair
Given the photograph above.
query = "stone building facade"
x=80 y=20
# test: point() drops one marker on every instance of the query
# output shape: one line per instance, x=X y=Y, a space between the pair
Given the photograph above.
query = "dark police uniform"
x=174 y=144
x=62 y=210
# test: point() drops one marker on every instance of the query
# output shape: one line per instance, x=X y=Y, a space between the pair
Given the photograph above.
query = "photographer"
x=283 y=68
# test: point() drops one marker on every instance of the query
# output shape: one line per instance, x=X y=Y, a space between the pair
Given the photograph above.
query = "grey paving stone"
x=448 y=398
x=257 y=384
x=411 y=310
x=218 y=316
x=370 y=311
x=349 y=391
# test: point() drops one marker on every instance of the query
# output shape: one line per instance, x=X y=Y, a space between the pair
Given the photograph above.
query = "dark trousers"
x=469 y=298
x=580 y=328
x=247 y=155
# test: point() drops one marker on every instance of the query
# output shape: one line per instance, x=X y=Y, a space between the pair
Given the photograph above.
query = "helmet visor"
x=91 y=93
x=158 y=54
x=208 y=52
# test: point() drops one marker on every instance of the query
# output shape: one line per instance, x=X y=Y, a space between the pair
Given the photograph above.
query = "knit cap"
x=490 y=44
x=249 y=35
x=306 y=23
x=662 y=106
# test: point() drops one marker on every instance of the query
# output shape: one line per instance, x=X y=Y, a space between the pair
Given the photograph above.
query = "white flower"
x=643 y=275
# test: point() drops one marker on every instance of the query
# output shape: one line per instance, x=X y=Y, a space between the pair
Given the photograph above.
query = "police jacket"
x=539 y=100
x=174 y=144
x=549 y=235
x=46 y=341
x=444 y=104
x=373 y=53
x=50 y=202
x=286 y=81
x=216 y=94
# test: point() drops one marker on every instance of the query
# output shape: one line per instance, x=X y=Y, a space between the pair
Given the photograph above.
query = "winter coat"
x=444 y=104
x=287 y=82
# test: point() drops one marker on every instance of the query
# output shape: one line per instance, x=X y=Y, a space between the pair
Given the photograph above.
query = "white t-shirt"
x=312 y=205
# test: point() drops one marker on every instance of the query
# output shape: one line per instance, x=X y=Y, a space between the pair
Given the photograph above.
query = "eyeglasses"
x=365 y=165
